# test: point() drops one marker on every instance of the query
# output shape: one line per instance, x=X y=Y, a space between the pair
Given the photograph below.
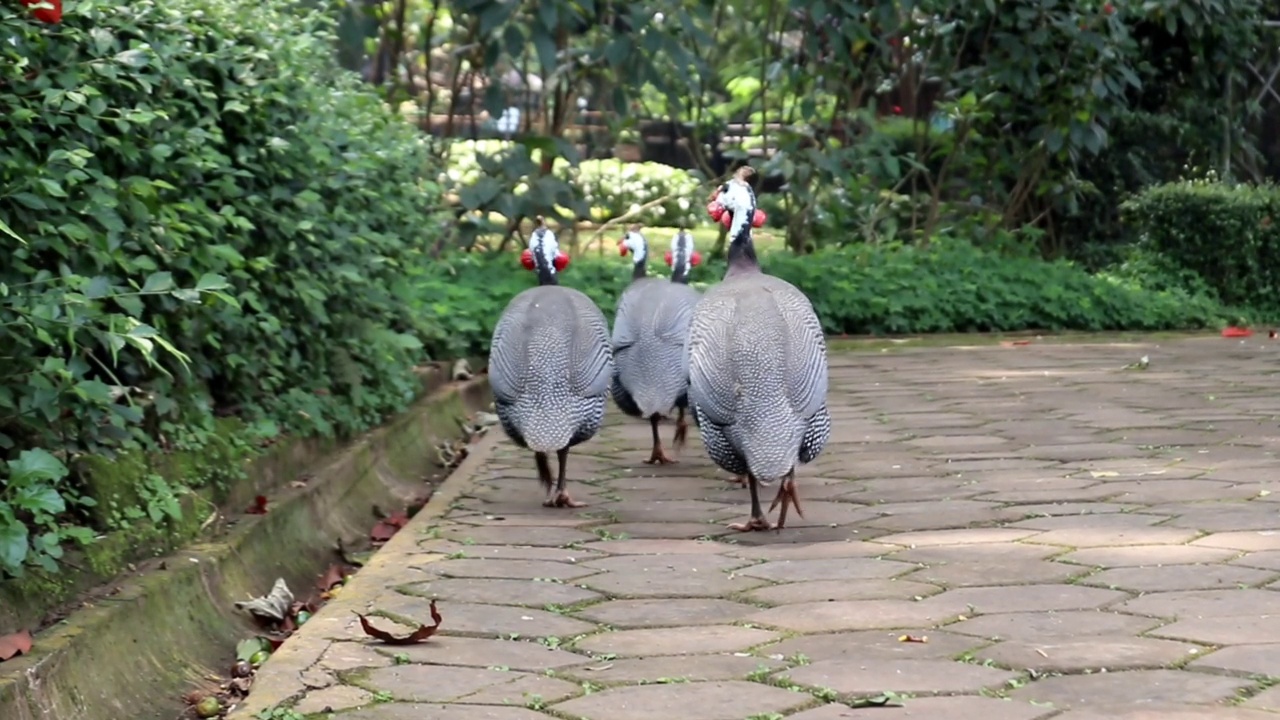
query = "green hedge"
x=1226 y=235
x=200 y=215
x=609 y=187
x=946 y=286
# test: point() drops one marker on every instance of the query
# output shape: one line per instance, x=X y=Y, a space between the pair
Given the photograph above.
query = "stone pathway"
x=998 y=533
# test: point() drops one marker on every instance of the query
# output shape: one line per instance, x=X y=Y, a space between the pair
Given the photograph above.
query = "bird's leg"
x=560 y=498
x=787 y=496
x=758 y=521
x=544 y=472
x=682 y=430
x=659 y=455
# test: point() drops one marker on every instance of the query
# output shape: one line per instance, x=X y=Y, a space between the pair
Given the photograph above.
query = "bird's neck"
x=639 y=268
x=547 y=276
x=680 y=273
x=742 y=251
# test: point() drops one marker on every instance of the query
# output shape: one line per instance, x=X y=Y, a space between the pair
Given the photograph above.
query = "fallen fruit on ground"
x=422 y=633
x=209 y=707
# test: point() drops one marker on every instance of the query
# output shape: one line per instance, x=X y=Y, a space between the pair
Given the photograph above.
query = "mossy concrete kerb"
x=135 y=653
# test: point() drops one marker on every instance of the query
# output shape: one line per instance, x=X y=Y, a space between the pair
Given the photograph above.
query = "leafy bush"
x=1226 y=235
x=608 y=188
x=944 y=286
x=203 y=215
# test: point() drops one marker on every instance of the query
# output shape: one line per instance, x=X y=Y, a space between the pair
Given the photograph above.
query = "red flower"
x=897 y=109
x=1108 y=8
x=44 y=14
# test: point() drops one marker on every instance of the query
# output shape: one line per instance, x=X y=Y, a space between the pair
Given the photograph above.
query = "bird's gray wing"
x=509 y=352
x=593 y=356
x=712 y=380
x=806 y=360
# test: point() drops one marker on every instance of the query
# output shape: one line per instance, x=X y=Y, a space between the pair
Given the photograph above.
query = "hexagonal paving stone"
x=1043 y=626
x=1246 y=541
x=1169 y=712
x=641 y=576
x=511 y=569
x=675 y=641
x=671 y=668
x=1112 y=536
x=482 y=653
x=873 y=645
x=848 y=569
x=1092 y=654
x=1204 y=603
x=972 y=536
x=829 y=590
x=1179 y=577
x=933 y=708
x=539 y=536
x=333 y=699
x=501 y=620
x=666 y=612
x=1114 y=691
x=416 y=711
x=659 y=547
x=1024 y=598
x=501 y=592
x=1146 y=555
x=859 y=677
x=1244 y=659
x=444 y=683
x=687 y=701
x=853 y=615
x=1237 y=630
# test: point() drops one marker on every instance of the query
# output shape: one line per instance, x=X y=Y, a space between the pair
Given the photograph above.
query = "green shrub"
x=610 y=188
x=945 y=286
x=1226 y=235
x=202 y=215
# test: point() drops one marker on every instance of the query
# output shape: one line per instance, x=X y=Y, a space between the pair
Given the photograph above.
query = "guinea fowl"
x=550 y=365
x=649 y=330
x=757 y=366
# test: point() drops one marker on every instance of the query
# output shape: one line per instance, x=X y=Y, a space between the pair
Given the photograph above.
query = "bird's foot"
x=755 y=523
x=682 y=434
x=562 y=501
x=659 y=456
x=786 y=496
x=738 y=480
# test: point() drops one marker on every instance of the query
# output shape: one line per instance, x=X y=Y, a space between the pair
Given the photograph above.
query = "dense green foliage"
x=653 y=193
x=887 y=120
x=1225 y=235
x=945 y=286
x=201 y=215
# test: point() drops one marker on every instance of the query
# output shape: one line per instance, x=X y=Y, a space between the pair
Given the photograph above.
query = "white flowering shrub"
x=610 y=188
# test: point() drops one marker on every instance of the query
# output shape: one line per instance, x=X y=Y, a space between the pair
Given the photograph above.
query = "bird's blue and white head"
x=739 y=202
x=635 y=244
x=682 y=257
x=543 y=254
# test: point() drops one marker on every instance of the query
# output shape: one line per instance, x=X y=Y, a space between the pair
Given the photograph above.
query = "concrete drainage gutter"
x=135 y=654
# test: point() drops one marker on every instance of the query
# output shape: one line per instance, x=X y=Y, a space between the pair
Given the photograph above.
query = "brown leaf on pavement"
x=422 y=633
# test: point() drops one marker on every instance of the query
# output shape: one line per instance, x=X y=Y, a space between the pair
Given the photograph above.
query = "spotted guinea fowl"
x=649 y=331
x=550 y=365
x=757 y=366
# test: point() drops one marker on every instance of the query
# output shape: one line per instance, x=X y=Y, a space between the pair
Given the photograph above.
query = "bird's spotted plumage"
x=757 y=367
x=550 y=363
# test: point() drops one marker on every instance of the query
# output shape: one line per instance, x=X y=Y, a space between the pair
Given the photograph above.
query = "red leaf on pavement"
x=388 y=526
x=1236 y=332
x=422 y=633
x=259 y=506
x=19 y=643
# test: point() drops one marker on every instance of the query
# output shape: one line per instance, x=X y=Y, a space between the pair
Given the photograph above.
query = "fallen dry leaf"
x=388 y=526
x=259 y=506
x=422 y=633
x=914 y=638
x=11 y=646
x=298 y=484
x=272 y=606
x=332 y=577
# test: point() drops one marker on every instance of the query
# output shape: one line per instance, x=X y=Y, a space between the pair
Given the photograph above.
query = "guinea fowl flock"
x=747 y=360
